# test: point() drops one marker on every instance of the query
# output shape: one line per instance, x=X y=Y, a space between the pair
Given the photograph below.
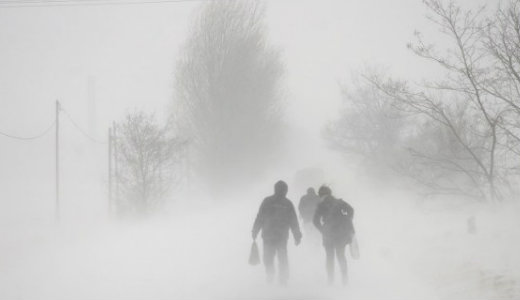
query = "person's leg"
x=329 y=251
x=269 y=252
x=283 y=262
x=342 y=261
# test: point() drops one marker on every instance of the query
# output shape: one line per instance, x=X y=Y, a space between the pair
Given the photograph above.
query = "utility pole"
x=110 y=201
x=57 y=161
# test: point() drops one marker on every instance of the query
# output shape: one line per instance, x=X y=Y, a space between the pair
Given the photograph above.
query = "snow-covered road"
x=198 y=255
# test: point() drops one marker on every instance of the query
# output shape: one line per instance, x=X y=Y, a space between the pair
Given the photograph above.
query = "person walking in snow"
x=333 y=218
x=275 y=218
x=307 y=207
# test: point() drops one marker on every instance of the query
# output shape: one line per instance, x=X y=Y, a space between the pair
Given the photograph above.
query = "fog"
x=176 y=119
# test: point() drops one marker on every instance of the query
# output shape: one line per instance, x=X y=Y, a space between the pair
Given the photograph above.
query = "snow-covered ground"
x=407 y=252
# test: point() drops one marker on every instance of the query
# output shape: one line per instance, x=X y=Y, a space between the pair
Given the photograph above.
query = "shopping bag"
x=254 y=255
x=354 y=248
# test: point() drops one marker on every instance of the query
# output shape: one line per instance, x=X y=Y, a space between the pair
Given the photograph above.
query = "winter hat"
x=324 y=191
x=280 y=188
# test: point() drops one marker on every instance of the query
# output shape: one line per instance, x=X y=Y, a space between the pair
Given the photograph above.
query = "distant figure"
x=275 y=217
x=308 y=204
x=307 y=207
x=333 y=218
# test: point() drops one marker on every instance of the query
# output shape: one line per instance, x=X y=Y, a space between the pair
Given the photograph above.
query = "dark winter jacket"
x=308 y=205
x=276 y=216
x=333 y=218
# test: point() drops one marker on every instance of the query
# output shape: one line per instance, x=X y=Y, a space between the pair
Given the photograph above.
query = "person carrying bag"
x=333 y=218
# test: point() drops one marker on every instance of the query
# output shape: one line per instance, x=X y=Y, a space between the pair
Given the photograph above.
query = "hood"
x=324 y=191
x=280 y=188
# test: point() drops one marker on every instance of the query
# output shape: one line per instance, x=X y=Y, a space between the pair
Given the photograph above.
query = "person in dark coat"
x=308 y=204
x=307 y=207
x=275 y=218
x=333 y=218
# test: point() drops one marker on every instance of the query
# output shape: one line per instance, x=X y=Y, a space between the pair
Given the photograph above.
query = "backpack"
x=337 y=223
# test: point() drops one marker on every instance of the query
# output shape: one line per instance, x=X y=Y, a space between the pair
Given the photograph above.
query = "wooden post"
x=110 y=200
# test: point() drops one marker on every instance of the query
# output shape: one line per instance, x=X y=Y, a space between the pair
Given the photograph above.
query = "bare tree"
x=393 y=140
x=369 y=126
x=466 y=67
x=147 y=157
x=502 y=41
x=228 y=91
x=466 y=134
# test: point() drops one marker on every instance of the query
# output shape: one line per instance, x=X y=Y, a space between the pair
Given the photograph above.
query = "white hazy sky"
x=48 y=53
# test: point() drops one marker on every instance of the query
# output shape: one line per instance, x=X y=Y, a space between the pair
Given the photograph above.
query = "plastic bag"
x=254 y=255
x=354 y=248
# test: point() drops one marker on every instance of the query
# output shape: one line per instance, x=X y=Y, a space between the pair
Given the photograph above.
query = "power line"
x=31 y=137
x=52 y=3
x=80 y=129
x=84 y=2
